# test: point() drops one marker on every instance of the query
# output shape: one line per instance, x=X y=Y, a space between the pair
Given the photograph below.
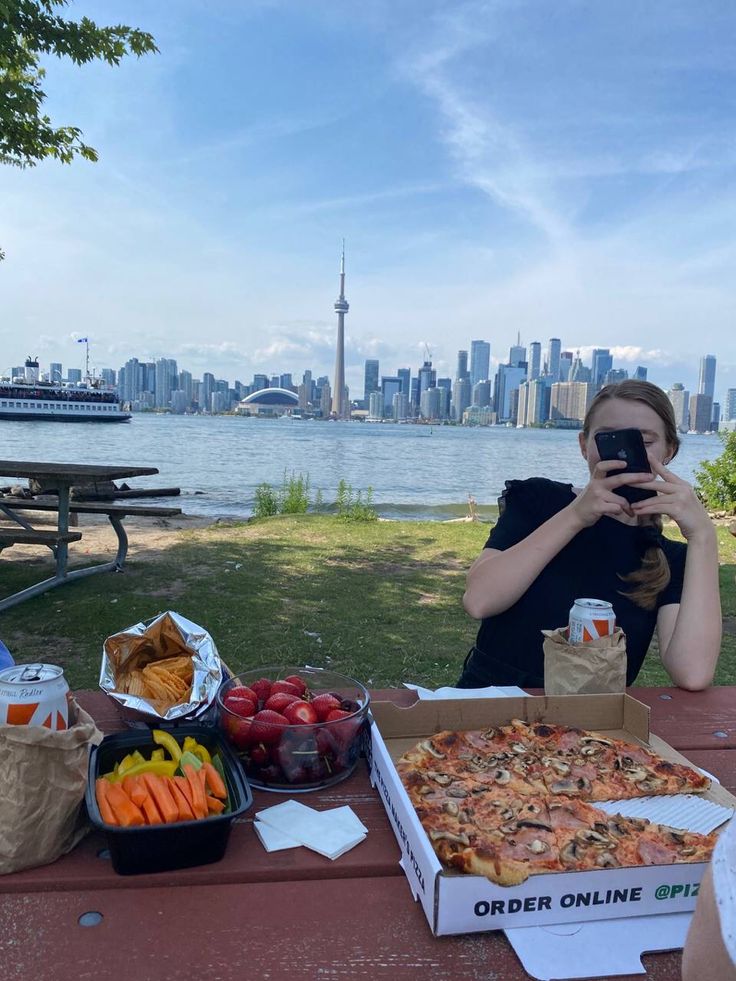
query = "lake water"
x=415 y=471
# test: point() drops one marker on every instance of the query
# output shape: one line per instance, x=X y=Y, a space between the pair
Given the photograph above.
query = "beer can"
x=34 y=695
x=590 y=619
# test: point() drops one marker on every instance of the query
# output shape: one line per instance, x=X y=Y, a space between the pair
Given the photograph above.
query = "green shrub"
x=716 y=480
x=352 y=506
x=295 y=494
x=266 y=503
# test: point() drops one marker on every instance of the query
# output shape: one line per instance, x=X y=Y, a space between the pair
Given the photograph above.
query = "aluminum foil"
x=165 y=635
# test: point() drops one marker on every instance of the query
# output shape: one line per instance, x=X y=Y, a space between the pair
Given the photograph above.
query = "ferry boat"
x=28 y=398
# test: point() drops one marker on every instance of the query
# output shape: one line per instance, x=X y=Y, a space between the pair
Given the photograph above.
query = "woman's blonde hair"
x=653 y=575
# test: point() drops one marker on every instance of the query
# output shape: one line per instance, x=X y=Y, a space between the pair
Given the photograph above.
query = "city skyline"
x=525 y=389
x=495 y=171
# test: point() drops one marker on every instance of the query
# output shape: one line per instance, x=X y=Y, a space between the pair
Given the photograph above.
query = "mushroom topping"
x=650 y=784
x=569 y=852
x=502 y=777
x=425 y=789
x=606 y=861
x=478 y=763
x=540 y=825
x=688 y=851
x=508 y=829
x=677 y=837
x=450 y=807
x=591 y=750
x=588 y=837
x=457 y=792
x=507 y=814
x=571 y=785
x=441 y=778
x=429 y=748
x=636 y=774
x=449 y=836
x=532 y=808
x=519 y=748
x=489 y=733
x=536 y=847
x=561 y=766
x=596 y=739
x=617 y=829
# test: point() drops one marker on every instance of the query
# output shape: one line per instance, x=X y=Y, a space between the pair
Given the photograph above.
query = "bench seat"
x=21 y=504
x=9 y=536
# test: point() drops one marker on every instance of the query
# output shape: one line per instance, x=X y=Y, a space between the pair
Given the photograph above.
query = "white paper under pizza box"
x=455 y=903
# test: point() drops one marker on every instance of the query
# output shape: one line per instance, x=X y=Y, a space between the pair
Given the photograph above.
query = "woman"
x=554 y=543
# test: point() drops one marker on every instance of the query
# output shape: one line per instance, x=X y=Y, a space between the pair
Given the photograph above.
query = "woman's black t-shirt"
x=509 y=645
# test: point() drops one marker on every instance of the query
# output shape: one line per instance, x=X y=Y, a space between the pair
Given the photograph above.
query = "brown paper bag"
x=44 y=776
x=597 y=666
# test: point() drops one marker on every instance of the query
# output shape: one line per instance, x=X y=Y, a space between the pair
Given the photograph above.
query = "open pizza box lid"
x=456 y=903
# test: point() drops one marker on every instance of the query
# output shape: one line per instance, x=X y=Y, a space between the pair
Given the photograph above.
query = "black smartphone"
x=628 y=445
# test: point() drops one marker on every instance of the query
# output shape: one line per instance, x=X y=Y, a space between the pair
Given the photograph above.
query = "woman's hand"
x=677 y=499
x=599 y=497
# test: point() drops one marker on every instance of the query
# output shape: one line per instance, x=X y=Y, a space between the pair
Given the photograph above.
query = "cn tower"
x=340 y=409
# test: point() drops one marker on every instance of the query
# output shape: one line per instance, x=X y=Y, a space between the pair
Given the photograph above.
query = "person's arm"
x=705 y=955
x=497 y=579
x=689 y=633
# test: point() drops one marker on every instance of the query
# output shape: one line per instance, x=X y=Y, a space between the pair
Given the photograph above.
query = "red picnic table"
x=291 y=914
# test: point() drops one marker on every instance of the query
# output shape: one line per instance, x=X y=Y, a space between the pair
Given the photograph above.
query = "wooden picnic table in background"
x=62 y=476
x=291 y=914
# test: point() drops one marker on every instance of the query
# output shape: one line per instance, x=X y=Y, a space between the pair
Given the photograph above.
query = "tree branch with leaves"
x=30 y=29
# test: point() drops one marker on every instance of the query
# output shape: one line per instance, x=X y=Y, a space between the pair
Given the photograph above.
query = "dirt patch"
x=148 y=539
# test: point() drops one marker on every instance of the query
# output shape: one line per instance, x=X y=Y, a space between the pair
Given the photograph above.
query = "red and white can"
x=590 y=619
x=34 y=695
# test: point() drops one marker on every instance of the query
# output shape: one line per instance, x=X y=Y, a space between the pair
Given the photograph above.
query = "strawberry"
x=244 y=707
x=324 y=704
x=260 y=754
x=262 y=688
x=286 y=687
x=279 y=701
x=300 y=713
x=267 y=726
x=238 y=731
x=240 y=691
x=298 y=683
x=344 y=727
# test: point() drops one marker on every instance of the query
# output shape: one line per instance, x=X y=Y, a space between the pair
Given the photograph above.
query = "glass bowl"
x=309 y=753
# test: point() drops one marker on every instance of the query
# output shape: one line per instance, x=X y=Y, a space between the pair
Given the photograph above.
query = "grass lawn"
x=380 y=601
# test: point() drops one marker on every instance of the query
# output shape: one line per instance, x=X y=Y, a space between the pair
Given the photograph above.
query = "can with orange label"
x=590 y=619
x=34 y=695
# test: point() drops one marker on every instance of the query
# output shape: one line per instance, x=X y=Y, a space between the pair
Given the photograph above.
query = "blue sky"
x=563 y=169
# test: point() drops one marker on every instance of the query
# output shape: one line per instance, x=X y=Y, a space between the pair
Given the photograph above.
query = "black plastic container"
x=162 y=847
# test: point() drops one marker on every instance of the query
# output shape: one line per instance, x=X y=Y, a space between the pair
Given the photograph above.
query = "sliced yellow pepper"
x=162 y=768
x=168 y=742
x=158 y=754
x=201 y=752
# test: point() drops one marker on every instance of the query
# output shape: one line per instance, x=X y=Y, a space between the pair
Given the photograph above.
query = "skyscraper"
x=707 y=379
x=553 y=358
x=731 y=404
x=340 y=408
x=566 y=359
x=601 y=365
x=462 y=365
x=405 y=375
x=370 y=383
x=517 y=352
x=480 y=361
x=534 y=358
x=55 y=372
x=701 y=412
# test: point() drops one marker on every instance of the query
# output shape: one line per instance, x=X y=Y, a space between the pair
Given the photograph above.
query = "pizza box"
x=457 y=903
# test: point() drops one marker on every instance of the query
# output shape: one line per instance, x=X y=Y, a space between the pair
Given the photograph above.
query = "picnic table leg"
x=117 y=523
x=62 y=549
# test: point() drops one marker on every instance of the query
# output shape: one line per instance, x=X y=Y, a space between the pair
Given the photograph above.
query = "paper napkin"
x=330 y=833
x=493 y=691
x=273 y=840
